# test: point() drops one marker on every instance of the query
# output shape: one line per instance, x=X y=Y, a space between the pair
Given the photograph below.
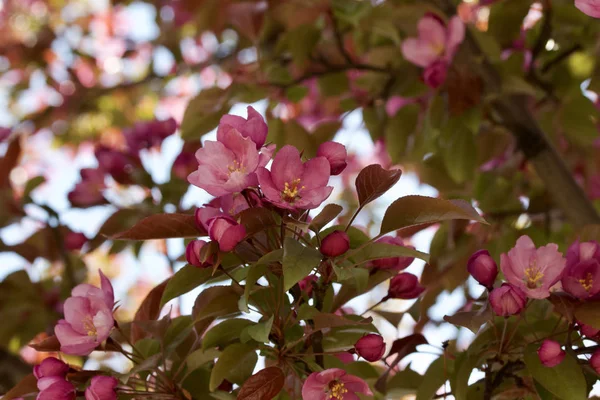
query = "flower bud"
x=550 y=353
x=55 y=388
x=595 y=361
x=507 y=300
x=336 y=154
x=75 y=241
x=395 y=263
x=483 y=268
x=371 y=347
x=589 y=331
x=192 y=254
x=102 y=387
x=404 y=286
x=306 y=284
x=344 y=357
x=335 y=244
x=435 y=74
x=50 y=367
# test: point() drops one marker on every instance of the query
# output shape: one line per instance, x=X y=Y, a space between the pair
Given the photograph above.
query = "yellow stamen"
x=587 y=282
x=533 y=275
x=337 y=390
x=88 y=324
x=235 y=167
x=291 y=190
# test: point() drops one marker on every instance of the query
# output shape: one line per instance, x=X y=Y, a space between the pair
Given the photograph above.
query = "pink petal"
x=313 y=198
x=456 y=35
x=316 y=173
x=102 y=388
x=267 y=186
x=286 y=167
x=72 y=342
x=109 y=295
x=205 y=178
x=432 y=33
x=589 y=7
x=232 y=237
x=78 y=309
x=243 y=148
x=417 y=53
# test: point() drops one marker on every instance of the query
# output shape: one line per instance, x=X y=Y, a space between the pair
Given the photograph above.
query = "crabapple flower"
x=588 y=331
x=404 y=286
x=220 y=227
x=595 y=361
x=589 y=7
x=550 y=353
x=371 y=347
x=55 y=388
x=51 y=366
x=333 y=384
x=532 y=270
x=483 y=268
x=507 y=300
x=292 y=184
x=88 y=191
x=227 y=165
x=75 y=240
x=254 y=127
x=434 y=47
x=336 y=154
x=192 y=254
x=102 y=387
x=394 y=263
x=581 y=277
x=88 y=318
x=335 y=244
x=306 y=284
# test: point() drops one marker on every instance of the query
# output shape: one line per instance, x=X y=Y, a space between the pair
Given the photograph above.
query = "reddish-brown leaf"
x=51 y=343
x=162 y=226
x=373 y=181
x=25 y=386
x=264 y=385
x=149 y=310
x=9 y=161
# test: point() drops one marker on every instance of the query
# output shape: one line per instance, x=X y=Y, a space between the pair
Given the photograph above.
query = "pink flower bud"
x=102 y=388
x=395 y=263
x=335 y=244
x=483 y=268
x=192 y=254
x=550 y=353
x=404 y=286
x=55 y=388
x=588 y=331
x=336 y=154
x=595 y=361
x=435 y=74
x=75 y=241
x=371 y=347
x=306 y=284
x=50 y=367
x=507 y=300
x=344 y=357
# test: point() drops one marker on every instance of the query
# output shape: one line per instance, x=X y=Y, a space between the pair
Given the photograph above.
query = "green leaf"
x=415 y=210
x=458 y=150
x=214 y=302
x=235 y=364
x=200 y=357
x=375 y=251
x=185 y=280
x=589 y=313
x=257 y=270
x=333 y=84
x=328 y=214
x=566 y=380
x=472 y=320
x=264 y=385
x=225 y=333
x=434 y=378
x=373 y=181
x=579 y=116
x=298 y=262
x=203 y=113
x=260 y=332
x=399 y=129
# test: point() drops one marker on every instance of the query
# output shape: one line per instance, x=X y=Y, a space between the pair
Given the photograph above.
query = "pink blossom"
x=293 y=184
x=192 y=254
x=483 y=268
x=532 y=270
x=394 y=263
x=507 y=300
x=336 y=155
x=306 y=284
x=589 y=331
x=55 y=388
x=333 y=383
x=147 y=134
x=102 y=387
x=254 y=127
x=344 y=357
x=395 y=103
x=404 y=286
x=220 y=227
x=88 y=191
x=589 y=7
x=226 y=166
x=335 y=244
x=51 y=366
x=434 y=47
x=75 y=240
x=88 y=318
x=235 y=203
x=116 y=163
x=550 y=353
x=581 y=277
x=371 y=347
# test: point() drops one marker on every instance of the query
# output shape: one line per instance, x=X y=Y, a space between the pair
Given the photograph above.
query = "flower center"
x=587 y=282
x=236 y=166
x=291 y=190
x=533 y=276
x=337 y=390
x=88 y=324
